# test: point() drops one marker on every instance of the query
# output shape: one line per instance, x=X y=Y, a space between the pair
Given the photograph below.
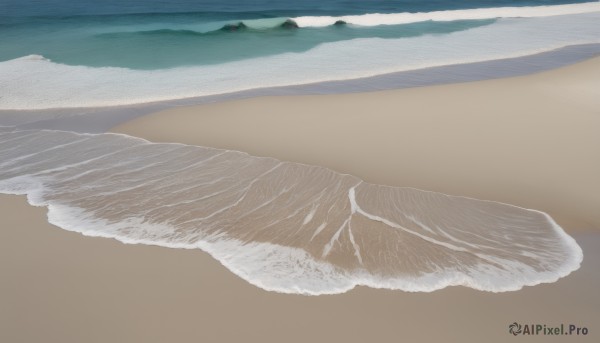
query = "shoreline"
x=102 y=119
x=472 y=142
x=62 y=286
x=436 y=182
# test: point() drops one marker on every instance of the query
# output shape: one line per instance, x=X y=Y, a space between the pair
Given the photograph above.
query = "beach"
x=530 y=141
x=59 y=286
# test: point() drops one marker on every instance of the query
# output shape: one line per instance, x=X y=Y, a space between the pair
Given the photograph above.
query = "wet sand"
x=530 y=141
x=59 y=286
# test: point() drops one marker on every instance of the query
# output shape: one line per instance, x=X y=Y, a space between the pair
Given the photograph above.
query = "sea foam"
x=282 y=226
x=36 y=83
x=376 y=19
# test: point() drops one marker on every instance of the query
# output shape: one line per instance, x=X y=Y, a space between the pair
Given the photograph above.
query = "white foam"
x=32 y=58
x=284 y=269
x=268 y=266
x=277 y=267
x=376 y=19
x=34 y=83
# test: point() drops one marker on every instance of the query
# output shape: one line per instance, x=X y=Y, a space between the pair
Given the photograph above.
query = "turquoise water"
x=281 y=226
x=56 y=54
x=164 y=45
x=156 y=34
x=237 y=8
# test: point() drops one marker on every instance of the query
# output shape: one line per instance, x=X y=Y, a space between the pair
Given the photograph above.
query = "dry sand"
x=531 y=141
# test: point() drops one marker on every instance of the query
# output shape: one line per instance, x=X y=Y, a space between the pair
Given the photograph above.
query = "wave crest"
x=376 y=19
x=39 y=84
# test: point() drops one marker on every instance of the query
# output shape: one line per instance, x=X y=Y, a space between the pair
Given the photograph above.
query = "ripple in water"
x=282 y=226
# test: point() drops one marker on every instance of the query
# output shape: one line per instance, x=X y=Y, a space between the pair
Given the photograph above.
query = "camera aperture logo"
x=516 y=329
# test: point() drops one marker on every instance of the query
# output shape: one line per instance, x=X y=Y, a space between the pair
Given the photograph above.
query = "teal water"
x=282 y=226
x=155 y=46
x=152 y=34
x=66 y=53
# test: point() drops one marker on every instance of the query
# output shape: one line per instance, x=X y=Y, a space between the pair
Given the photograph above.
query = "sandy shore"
x=59 y=286
x=531 y=141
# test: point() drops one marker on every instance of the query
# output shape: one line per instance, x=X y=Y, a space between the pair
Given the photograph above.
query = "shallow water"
x=94 y=60
x=282 y=226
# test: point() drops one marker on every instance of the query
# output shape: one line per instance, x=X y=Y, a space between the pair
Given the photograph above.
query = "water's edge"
x=282 y=226
x=96 y=120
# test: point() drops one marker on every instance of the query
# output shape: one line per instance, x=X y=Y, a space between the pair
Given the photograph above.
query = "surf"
x=39 y=83
x=376 y=19
x=282 y=226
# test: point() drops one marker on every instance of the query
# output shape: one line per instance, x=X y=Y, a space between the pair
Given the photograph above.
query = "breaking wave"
x=36 y=83
x=376 y=19
x=253 y=25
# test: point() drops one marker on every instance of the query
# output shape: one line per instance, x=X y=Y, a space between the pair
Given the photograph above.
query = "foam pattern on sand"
x=282 y=226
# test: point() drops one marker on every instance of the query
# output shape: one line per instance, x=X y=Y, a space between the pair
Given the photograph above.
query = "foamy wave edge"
x=35 y=83
x=254 y=262
x=375 y=19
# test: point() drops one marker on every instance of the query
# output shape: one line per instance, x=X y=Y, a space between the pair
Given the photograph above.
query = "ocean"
x=282 y=226
x=61 y=54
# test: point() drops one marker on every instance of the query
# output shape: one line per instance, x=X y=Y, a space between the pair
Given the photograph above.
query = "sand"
x=530 y=141
x=59 y=286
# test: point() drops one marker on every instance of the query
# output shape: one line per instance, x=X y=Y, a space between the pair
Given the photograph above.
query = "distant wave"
x=376 y=19
x=261 y=24
x=451 y=15
x=254 y=25
x=283 y=24
x=282 y=226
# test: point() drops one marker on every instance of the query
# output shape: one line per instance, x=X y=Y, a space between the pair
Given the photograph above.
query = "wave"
x=281 y=25
x=255 y=25
x=282 y=226
x=37 y=83
x=261 y=24
x=376 y=19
